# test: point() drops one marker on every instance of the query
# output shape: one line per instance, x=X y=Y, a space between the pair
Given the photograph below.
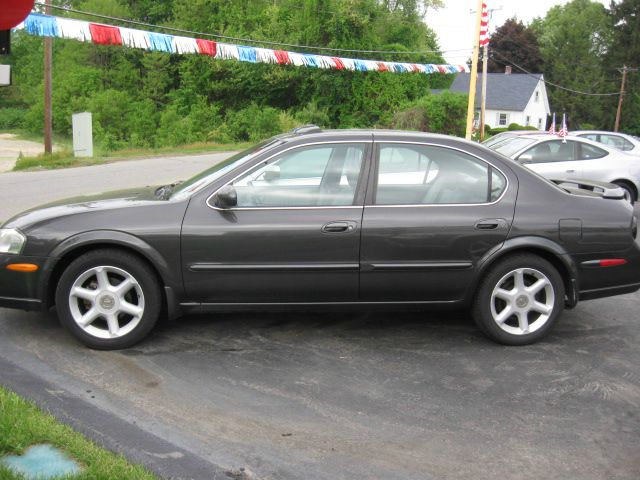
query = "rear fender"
x=544 y=247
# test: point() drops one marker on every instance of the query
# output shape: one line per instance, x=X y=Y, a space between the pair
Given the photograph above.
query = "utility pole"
x=483 y=100
x=48 y=114
x=474 y=72
x=624 y=70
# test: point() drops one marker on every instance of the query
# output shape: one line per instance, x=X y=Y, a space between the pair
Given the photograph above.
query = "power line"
x=579 y=92
x=247 y=40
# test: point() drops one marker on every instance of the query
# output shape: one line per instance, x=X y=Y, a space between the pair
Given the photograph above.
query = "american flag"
x=563 y=131
x=484 y=26
x=552 y=130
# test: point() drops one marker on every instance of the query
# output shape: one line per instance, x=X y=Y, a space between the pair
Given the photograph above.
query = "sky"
x=454 y=23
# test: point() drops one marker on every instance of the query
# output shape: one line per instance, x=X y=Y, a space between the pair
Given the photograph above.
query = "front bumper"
x=21 y=290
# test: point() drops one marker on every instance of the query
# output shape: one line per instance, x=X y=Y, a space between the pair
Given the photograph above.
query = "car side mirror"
x=227 y=197
x=271 y=174
x=525 y=158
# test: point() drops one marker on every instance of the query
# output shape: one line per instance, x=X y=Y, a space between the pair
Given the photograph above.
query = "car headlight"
x=11 y=240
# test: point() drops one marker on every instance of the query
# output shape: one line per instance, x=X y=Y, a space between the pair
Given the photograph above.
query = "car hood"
x=75 y=205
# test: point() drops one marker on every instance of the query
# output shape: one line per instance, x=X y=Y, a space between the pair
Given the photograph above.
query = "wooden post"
x=474 y=72
x=619 y=112
x=48 y=113
x=483 y=101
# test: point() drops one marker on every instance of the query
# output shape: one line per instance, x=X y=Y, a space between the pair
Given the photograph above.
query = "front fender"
x=106 y=238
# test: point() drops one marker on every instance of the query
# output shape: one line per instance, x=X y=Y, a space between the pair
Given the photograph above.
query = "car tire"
x=519 y=300
x=631 y=194
x=108 y=299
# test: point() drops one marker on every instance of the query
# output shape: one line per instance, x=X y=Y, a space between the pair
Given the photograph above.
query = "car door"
x=294 y=235
x=596 y=162
x=432 y=212
x=555 y=159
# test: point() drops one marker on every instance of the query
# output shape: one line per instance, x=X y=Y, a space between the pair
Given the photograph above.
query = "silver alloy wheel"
x=106 y=302
x=522 y=301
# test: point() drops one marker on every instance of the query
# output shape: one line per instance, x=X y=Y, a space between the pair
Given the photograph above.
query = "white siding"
x=537 y=111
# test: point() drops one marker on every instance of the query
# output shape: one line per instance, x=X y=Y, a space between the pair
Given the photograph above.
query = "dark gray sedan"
x=316 y=218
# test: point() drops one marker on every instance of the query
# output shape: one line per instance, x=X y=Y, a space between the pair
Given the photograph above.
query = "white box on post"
x=82 y=135
x=5 y=75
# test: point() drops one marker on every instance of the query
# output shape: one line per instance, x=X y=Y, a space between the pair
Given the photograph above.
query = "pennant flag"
x=484 y=26
x=68 y=28
x=552 y=130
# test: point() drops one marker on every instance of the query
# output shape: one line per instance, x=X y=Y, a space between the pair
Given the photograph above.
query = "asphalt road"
x=348 y=395
x=22 y=190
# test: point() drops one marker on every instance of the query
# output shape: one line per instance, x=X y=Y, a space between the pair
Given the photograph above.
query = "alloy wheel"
x=522 y=301
x=106 y=302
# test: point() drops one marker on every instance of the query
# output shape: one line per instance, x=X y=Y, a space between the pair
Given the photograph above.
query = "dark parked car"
x=311 y=219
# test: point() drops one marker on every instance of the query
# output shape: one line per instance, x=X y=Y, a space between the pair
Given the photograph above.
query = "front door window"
x=320 y=175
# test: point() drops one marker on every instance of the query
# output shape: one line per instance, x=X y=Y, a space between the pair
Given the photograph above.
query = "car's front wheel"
x=108 y=299
x=519 y=300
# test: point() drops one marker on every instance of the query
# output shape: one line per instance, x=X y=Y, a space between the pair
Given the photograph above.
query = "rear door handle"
x=571 y=171
x=490 y=224
x=339 y=227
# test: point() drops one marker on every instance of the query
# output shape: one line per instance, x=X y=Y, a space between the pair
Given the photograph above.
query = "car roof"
x=312 y=133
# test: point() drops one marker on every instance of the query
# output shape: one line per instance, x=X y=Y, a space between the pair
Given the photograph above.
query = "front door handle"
x=571 y=171
x=339 y=227
x=490 y=224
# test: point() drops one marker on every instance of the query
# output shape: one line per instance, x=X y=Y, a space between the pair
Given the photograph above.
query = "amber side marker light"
x=22 y=267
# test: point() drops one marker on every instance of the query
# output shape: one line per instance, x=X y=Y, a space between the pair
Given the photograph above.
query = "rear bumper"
x=21 y=290
x=600 y=282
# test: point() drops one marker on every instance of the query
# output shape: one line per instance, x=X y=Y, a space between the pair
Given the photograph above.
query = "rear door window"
x=427 y=175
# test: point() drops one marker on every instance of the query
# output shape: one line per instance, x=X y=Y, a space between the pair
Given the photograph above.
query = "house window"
x=539 y=124
x=528 y=121
x=502 y=119
x=537 y=97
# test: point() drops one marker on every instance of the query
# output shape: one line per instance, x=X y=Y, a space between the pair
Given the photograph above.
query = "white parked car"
x=620 y=141
x=574 y=158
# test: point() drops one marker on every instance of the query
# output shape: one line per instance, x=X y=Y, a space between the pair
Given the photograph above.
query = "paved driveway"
x=356 y=395
x=22 y=190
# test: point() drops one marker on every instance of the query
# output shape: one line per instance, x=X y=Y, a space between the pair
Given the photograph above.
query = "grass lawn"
x=22 y=425
x=65 y=158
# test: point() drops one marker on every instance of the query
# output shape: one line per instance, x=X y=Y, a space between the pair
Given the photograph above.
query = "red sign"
x=13 y=12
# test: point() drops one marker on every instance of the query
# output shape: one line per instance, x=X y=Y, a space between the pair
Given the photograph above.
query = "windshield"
x=513 y=145
x=203 y=179
x=501 y=137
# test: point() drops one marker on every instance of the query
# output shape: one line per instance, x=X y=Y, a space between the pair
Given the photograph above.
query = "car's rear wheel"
x=519 y=300
x=108 y=299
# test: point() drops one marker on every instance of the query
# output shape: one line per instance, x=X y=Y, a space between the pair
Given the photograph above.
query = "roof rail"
x=306 y=129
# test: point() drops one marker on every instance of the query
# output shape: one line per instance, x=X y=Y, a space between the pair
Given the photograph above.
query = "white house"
x=511 y=98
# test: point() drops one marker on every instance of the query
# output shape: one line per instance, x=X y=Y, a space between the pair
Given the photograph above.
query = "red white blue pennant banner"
x=60 y=27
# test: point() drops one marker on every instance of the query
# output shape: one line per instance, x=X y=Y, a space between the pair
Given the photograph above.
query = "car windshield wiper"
x=165 y=191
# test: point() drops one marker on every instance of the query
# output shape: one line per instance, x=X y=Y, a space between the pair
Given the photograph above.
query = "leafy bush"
x=311 y=113
x=11 y=118
x=443 y=113
x=515 y=126
x=414 y=118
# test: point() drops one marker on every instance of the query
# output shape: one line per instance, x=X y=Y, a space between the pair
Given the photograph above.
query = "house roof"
x=504 y=92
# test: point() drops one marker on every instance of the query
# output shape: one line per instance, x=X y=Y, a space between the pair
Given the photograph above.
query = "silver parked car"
x=620 y=141
x=574 y=158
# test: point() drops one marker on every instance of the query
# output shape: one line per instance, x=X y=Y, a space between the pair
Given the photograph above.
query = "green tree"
x=573 y=40
x=625 y=50
x=514 y=43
